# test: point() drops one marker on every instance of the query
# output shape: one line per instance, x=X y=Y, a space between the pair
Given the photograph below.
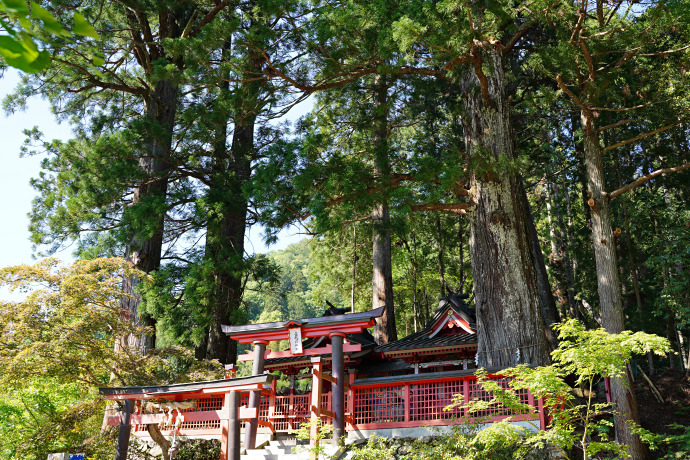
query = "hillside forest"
x=533 y=154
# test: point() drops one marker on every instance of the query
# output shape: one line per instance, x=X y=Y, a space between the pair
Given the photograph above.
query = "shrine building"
x=358 y=386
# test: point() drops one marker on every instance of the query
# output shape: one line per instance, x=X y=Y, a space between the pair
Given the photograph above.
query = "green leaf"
x=42 y=61
x=29 y=45
x=18 y=7
x=82 y=27
x=23 y=55
x=98 y=60
x=10 y=48
x=50 y=24
x=25 y=23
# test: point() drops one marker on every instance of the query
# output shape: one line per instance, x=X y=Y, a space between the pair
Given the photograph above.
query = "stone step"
x=287 y=442
x=260 y=454
x=267 y=456
x=278 y=449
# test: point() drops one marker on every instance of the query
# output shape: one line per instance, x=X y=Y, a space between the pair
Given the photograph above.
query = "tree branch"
x=641 y=180
x=618 y=123
x=453 y=208
x=641 y=136
x=572 y=95
x=209 y=17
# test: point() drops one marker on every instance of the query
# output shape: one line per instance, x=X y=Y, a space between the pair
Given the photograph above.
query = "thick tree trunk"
x=144 y=248
x=415 y=273
x=461 y=252
x=568 y=261
x=547 y=305
x=225 y=242
x=226 y=230
x=608 y=282
x=634 y=273
x=509 y=319
x=382 y=272
x=354 y=267
x=441 y=266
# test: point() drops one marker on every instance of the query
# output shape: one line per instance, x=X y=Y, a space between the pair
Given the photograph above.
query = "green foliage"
x=44 y=415
x=318 y=448
x=286 y=291
x=586 y=354
x=674 y=446
x=376 y=448
x=501 y=441
x=199 y=449
x=20 y=48
x=57 y=346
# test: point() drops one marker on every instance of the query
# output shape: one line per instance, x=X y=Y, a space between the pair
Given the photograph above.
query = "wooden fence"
x=376 y=403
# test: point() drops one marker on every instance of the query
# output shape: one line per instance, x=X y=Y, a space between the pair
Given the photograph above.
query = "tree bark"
x=354 y=267
x=226 y=228
x=608 y=282
x=144 y=248
x=568 y=261
x=509 y=319
x=441 y=267
x=158 y=438
x=547 y=305
x=634 y=274
x=461 y=252
x=225 y=244
x=382 y=272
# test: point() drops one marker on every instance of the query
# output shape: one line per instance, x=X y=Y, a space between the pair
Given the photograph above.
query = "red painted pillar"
x=407 y=401
x=272 y=405
x=316 y=387
x=466 y=393
x=351 y=402
x=542 y=413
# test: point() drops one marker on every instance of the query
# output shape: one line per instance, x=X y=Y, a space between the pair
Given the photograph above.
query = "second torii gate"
x=335 y=327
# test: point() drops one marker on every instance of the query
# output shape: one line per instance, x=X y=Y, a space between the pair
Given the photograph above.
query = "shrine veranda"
x=359 y=387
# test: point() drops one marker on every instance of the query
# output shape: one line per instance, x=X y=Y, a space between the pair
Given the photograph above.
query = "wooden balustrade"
x=386 y=402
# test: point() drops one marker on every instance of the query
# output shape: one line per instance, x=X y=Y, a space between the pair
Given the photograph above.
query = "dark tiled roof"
x=457 y=303
x=185 y=387
x=322 y=320
x=421 y=339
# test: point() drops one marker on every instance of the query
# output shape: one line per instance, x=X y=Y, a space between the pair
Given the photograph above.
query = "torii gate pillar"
x=338 y=371
x=255 y=396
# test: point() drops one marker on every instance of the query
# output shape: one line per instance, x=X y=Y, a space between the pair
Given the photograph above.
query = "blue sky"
x=16 y=193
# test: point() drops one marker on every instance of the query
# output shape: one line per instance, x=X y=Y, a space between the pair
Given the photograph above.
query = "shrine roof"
x=458 y=305
x=320 y=325
x=421 y=340
x=210 y=386
x=452 y=310
x=305 y=361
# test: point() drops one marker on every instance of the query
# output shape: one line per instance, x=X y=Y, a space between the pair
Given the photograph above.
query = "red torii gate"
x=335 y=327
x=229 y=416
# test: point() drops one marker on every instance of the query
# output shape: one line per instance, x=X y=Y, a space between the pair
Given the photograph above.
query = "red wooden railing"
x=404 y=402
x=387 y=402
